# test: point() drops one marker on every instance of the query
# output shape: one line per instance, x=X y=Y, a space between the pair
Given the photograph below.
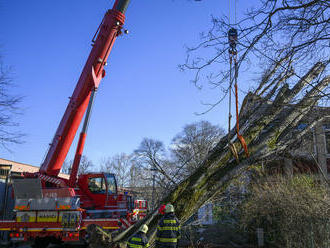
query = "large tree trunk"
x=266 y=122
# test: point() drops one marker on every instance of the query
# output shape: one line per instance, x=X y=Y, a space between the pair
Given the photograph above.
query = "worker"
x=139 y=240
x=168 y=229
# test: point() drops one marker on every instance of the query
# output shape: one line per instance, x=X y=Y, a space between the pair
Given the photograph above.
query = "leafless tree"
x=156 y=170
x=191 y=146
x=66 y=167
x=151 y=155
x=120 y=165
x=9 y=107
x=139 y=176
x=85 y=166
x=294 y=34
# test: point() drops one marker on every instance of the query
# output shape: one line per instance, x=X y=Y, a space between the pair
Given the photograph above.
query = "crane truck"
x=53 y=209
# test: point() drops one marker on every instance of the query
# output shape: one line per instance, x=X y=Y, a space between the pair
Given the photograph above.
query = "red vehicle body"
x=54 y=214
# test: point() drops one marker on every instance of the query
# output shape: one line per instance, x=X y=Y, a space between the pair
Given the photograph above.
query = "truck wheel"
x=40 y=243
x=12 y=245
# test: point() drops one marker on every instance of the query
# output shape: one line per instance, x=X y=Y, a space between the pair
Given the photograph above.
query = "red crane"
x=84 y=93
x=80 y=104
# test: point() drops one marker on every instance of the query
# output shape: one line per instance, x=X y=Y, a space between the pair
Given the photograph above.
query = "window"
x=112 y=186
x=4 y=172
x=327 y=142
x=302 y=126
x=97 y=185
x=328 y=165
x=326 y=126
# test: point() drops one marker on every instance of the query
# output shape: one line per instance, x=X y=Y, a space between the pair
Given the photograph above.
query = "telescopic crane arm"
x=83 y=94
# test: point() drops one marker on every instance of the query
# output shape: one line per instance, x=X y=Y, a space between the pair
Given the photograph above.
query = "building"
x=16 y=169
x=311 y=153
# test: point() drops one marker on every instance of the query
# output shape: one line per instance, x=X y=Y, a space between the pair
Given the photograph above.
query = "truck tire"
x=40 y=243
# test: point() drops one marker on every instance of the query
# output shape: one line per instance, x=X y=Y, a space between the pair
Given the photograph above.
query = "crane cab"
x=98 y=188
x=100 y=183
x=99 y=196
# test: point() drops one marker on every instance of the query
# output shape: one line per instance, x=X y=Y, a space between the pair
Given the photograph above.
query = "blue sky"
x=143 y=95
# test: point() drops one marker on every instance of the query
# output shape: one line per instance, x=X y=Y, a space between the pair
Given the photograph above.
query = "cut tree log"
x=266 y=122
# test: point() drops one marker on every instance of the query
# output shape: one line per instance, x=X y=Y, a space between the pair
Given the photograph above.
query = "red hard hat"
x=161 y=210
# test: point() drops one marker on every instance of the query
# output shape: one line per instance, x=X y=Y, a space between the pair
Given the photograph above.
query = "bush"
x=294 y=212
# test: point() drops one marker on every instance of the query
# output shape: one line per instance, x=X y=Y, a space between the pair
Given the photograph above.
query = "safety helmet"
x=169 y=208
x=161 y=210
x=144 y=228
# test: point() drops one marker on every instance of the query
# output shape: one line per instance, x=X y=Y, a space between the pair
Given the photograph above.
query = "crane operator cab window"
x=112 y=185
x=97 y=185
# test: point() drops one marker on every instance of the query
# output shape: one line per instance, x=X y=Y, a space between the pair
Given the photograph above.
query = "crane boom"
x=88 y=82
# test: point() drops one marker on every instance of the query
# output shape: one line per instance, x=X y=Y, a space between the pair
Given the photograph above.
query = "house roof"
x=21 y=167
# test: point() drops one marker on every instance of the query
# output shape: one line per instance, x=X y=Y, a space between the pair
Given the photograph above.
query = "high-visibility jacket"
x=138 y=240
x=168 y=231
